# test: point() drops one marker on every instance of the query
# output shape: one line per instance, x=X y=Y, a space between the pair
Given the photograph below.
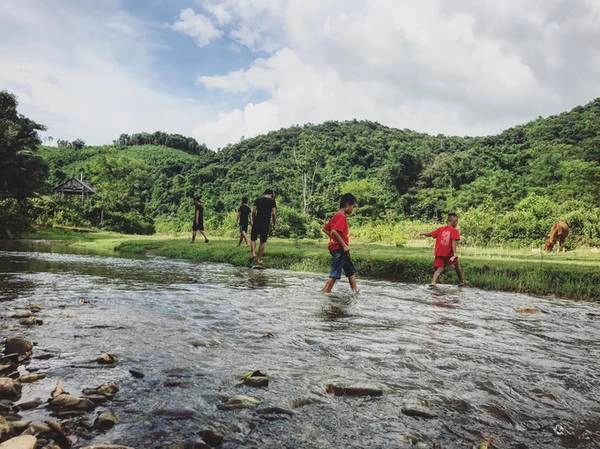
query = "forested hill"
x=526 y=176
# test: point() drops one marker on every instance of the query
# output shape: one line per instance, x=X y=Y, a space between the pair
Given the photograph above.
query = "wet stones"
x=108 y=390
x=238 y=402
x=106 y=358
x=31 y=321
x=212 y=436
x=105 y=420
x=67 y=404
x=20 y=442
x=10 y=389
x=18 y=345
x=418 y=410
x=353 y=390
x=254 y=379
x=175 y=413
x=22 y=314
x=137 y=374
x=30 y=378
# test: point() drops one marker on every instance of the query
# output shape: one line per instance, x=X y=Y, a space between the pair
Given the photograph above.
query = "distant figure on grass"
x=558 y=235
x=263 y=212
x=445 y=249
x=198 y=225
x=243 y=218
x=339 y=238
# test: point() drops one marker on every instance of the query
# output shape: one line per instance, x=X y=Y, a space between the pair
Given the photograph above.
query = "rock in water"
x=106 y=358
x=238 y=402
x=107 y=446
x=10 y=389
x=22 y=442
x=527 y=310
x=418 y=410
x=138 y=374
x=69 y=403
x=108 y=390
x=30 y=378
x=31 y=321
x=105 y=420
x=17 y=345
x=21 y=314
x=35 y=308
x=212 y=436
x=353 y=390
x=255 y=379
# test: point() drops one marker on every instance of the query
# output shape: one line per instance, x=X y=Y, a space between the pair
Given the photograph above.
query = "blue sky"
x=221 y=69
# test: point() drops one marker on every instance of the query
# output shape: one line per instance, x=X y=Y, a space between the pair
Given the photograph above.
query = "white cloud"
x=197 y=26
x=86 y=72
x=462 y=67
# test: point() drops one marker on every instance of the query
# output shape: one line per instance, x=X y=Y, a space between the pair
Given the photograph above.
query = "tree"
x=22 y=171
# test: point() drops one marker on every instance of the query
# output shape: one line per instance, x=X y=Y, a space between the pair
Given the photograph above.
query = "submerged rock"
x=527 y=310
x=254 y=379
x=138 y=374
x=8 y=407
x=353 y=390
x=70 y=403
x=275 y=411
x=106 y=358
x=30 y=378
x=212 y=436
x=418 y=410
x=239 y=402
x=10 y=389
x=21 y=314
x=35 y=308
x=105 y=420
x=301 y=402
x=31 y=321
x=180 y=413
x=108 y=390
x=20 y=442
x=30 y=405
x=18 y=345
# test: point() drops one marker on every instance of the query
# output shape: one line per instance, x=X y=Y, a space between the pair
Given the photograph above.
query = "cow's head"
x=548 y=245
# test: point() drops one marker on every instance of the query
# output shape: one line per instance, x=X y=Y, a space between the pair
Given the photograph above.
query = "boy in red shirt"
x=445 y=249
x=339 y=238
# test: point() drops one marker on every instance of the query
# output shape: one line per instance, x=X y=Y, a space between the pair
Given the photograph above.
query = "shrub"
x=13 y=217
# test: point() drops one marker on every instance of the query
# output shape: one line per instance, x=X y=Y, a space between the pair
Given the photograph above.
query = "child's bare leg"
x=436 y=275
x=261 y=250
x=460 y=273
x=253 y=248
x=241 y=239
x=329 y=285
x=353 y=283
x=204 y=235
x=193 y=236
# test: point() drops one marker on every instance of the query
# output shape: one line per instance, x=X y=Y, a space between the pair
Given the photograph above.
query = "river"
x=529 y=380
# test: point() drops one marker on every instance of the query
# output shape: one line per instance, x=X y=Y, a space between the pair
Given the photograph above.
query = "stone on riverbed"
x=35 y=308
x=31 y=321
x=68 y=403
x=212 y=436
x=254 y=379
x=30 y=378
x=108 y=390
x=239 y=402
x=18 y=345
x=353 y=390
x=107 y=446
x=178 y=413
x=21 y=314
x=10 y=389
x=106 y=358
x=105 y=420
x=418 y=410
x=21 y=442
x=138 y=374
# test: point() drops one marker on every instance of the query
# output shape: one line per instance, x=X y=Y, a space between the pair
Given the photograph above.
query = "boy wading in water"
x=263 y=212
x=339 y=238
x=445 y=249
x=243 y=218
x=198 y=225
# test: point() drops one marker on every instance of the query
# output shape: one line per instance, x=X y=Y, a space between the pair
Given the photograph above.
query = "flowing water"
x=528 y=380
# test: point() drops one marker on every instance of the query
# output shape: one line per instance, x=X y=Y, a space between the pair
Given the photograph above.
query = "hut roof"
x=73 y=186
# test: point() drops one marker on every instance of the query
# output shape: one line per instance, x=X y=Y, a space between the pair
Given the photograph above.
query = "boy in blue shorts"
x=339 y=238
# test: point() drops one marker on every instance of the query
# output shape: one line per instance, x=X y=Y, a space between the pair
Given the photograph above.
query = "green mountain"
x=511 y=186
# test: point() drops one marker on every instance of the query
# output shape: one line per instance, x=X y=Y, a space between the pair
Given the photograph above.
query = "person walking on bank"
x=263 y=212
x=243 y=218
x=198 y=225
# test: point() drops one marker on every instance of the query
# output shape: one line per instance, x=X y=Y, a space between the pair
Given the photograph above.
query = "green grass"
x=573 y=274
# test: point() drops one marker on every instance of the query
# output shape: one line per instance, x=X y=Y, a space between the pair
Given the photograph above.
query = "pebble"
x=255 y=379
x=353 y=390
x=31 y=321
x=212 y=436
x=105 y=420
x=138 y=374
x=106 y=358
x=419 y=411
x=10 y=389
x=30 y=378
x=69 y=403
x=20 y=442
x=239 y=402
x=30 y=405
x=107 y=390
x=18 y=345
x=21 y=314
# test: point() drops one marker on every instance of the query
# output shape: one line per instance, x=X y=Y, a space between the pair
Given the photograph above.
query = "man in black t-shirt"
x=243 y=218
x=263 y=212
x=198 y=224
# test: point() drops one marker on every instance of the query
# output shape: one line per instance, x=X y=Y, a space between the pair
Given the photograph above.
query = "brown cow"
x=558 y=235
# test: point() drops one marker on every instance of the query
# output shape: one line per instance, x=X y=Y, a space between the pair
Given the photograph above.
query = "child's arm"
x=238 y=217
x=274 y=215
x=325 y=229
x=339 y=239
x=454 y=255
x=253 y=214
x=196 y=216
x=426 y=234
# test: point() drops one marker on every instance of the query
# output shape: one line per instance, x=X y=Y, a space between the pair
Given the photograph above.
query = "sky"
x=220 y=70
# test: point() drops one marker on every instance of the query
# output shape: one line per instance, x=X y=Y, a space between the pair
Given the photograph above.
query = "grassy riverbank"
x=571 y=275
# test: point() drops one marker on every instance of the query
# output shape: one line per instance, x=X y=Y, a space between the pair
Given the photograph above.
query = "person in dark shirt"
x=198 y=224
x=243 y=219
x=263 y=212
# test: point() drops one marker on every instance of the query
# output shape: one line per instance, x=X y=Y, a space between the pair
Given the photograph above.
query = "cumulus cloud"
x=462 y=67
x=86 y=72
x=197 y=26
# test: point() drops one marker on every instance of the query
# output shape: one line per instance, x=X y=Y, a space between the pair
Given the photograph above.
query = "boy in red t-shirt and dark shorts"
x=339 y=238
x=445 y=249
